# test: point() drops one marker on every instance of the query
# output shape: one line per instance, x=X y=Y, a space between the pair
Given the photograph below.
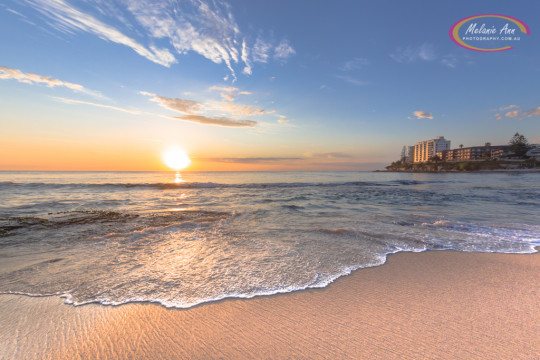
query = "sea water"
x=181 y=239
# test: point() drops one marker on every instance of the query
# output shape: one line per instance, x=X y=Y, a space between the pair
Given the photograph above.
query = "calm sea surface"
x=184 y=239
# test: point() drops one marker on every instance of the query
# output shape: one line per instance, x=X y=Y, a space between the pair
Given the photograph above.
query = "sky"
x=256 y=85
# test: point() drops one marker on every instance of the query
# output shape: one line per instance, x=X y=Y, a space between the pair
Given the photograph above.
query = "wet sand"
x=433 y=305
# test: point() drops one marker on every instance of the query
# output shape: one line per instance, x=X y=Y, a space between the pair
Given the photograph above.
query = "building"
x=446 y=155
x=425 y=150
x=410 y=154
x=534 y=151
x=473 y=153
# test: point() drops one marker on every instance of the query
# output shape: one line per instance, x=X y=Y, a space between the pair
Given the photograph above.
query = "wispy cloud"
x=504 y=108
x=229 y=89
x=22 y=16
x=520 y=114
x=68 y=19
x=207 y=28
x=423 y=114
x=329 y=155
x=499 y=115
x=513 y=114
x=354 y=64
x=245 y=58
x=261 y=50
x=74 y=101
x=450 y=61
x=284 y=50
x=251 y=160
x=176 y=104
x=283 y=119
x=352 y=80
x=229 y=93
x=227 y=96
x=334 y=160
x=173 y=104
x=31 y=78
x=195 y=111
x=425 y=52
x=219 y=121
x=235 y=109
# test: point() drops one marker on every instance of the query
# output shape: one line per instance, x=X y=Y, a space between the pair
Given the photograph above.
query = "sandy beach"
x=433 y=305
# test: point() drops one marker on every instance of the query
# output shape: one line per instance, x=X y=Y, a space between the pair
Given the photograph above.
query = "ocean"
x=182 y=239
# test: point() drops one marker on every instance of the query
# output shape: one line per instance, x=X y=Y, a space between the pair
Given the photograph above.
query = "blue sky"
x=254 y=85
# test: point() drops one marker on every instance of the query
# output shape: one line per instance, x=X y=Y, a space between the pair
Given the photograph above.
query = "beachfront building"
x=410 y=154
x=534 y=151
x=425 y=150
x=446 y=155
x=473 y=153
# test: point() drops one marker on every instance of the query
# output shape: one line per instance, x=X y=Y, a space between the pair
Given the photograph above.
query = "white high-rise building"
x=425 y=150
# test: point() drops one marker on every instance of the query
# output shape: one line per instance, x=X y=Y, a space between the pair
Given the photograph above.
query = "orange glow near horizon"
x=44 y=154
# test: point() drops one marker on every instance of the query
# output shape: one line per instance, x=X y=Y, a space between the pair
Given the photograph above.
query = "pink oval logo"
x=488 y=33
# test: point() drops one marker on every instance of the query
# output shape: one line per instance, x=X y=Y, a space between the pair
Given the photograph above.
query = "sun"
x=176 y=158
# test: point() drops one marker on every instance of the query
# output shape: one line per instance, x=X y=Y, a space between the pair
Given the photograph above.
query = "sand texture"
x=434 y=305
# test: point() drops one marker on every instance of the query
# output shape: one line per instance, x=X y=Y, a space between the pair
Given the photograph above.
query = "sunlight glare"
x=176 y=158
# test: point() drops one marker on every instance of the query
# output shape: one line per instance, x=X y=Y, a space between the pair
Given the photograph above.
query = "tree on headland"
x=404 y=154
x=518 y=145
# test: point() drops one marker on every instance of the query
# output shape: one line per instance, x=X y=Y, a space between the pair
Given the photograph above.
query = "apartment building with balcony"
x=425 y=150
x=473 y=153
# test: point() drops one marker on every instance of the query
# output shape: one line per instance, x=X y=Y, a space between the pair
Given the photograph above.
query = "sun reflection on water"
x=178 y=178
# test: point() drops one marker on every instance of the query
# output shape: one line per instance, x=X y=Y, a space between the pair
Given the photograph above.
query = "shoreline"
x=435 y=304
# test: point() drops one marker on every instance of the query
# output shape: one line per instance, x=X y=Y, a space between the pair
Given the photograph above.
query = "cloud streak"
x=520 y=114
x=450 y=61
x=192 y=109
x=284 y=50
x=110 y=107
x=329 y=155
x=283 y=119
x=424 y=52
x=68 y=19
x=229 y=93
x=176 y=104
x=508 y=107
x=352 y=80
x=238 y=109
x=219 y=121
x=173 y=104
x=261 y=51
x=207 y=28
x=423 y=115
x=355 y=64
x=251 y=160
x=32 y=79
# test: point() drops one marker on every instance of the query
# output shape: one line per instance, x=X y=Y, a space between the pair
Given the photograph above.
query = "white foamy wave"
x=117 y=238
